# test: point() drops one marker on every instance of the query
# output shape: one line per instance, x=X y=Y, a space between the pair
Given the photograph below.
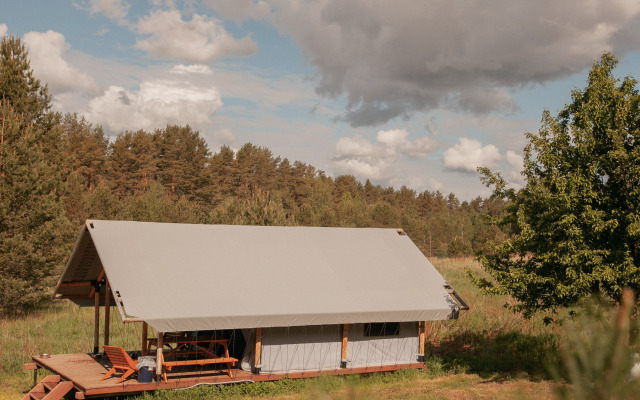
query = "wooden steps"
x=50 y=388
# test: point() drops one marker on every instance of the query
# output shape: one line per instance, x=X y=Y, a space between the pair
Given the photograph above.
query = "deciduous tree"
x=578 y=216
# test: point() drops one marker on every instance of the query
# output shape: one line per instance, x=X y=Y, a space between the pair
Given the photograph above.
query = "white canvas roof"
x=181 y=277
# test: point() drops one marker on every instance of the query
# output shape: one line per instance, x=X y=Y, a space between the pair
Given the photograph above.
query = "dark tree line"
x=56 y=171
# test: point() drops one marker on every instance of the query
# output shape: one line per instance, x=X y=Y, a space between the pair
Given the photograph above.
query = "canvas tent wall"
x=316 y=348
x=181 y=277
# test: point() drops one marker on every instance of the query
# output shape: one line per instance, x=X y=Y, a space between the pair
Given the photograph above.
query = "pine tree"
x=20 y=90
x=184 y=161
x=35 y=233
x=133 y=162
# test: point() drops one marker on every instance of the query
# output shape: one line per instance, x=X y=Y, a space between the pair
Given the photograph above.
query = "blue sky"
x=403 y=93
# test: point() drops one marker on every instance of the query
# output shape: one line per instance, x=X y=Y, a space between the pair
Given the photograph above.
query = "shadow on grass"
x=497 y=355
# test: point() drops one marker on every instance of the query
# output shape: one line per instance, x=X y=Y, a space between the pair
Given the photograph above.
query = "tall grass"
x=488 y=340
x=59 y=328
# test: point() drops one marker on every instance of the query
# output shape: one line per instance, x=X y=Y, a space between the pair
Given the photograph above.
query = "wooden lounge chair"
x=120 y=361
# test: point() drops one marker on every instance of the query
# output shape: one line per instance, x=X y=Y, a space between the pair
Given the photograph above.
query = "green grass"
x=486 y=344
x=60 y=328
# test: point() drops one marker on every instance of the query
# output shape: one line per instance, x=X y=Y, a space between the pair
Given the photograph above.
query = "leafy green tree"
x=384 y=215
x=578 y=217
x=352 y=212
x=262 y=209
x=157 y=204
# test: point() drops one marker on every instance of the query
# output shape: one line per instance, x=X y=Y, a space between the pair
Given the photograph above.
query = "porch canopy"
x=183 y=277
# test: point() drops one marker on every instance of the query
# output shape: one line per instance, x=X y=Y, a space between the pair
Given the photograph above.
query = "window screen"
x=382 y=329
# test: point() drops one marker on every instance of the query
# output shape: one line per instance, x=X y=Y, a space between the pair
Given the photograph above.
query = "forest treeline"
x=57 y=170
x=170 y=175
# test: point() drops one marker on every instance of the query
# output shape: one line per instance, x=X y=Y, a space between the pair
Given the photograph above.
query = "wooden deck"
x=85 y=373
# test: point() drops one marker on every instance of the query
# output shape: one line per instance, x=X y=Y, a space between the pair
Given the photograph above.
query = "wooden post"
x=159 y=357
x=345 y=339
x=256 y=363
x=145 y=329
x=421 y=332
x=107 y=311
x=96 y=325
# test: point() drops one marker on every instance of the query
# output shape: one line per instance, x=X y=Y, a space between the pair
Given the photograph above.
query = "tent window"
x=382 y=329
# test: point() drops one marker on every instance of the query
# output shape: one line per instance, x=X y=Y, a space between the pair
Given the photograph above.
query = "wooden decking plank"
x=50 y=381
x=85 y=372
x=36 y=393
x=59 y=391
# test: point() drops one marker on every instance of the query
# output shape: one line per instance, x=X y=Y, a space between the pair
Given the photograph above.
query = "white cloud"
x=191 y=69
x=115 y=10
x=468 y=155
x=516 y=161
x=516 y=164
x=3 y=29
x=382 y=160
x=157 y=103
x=46 y=52
x=199 y=40
x=223 y=136
x=392 y=60
x=435 y=184
x=240 y=10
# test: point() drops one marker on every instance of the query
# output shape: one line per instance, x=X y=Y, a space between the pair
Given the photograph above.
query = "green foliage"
x=578 y=217
x=597 y=353
x=35 y=233
x=20 y=90
x=261 y=209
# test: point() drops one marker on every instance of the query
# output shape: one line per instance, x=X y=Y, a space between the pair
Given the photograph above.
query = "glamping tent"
x=296 y=298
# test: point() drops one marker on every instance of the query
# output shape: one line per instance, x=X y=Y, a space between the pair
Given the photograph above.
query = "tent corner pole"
x=107 y=311
x=96 y=322
x=257 y=366
x=145 y=329
x=345 y=340
x=422 y=334
x=159 y=357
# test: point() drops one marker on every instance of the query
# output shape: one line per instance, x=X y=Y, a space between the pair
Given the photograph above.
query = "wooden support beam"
x=107 y=311
x=421 y=333
x=145 y=330
x=345 y=339
x=256 y=363
x=159 y=357
x=76 y=283
x=96 y=325
x=75 y=297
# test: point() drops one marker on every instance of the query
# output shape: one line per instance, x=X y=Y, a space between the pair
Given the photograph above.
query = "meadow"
x=489 y=352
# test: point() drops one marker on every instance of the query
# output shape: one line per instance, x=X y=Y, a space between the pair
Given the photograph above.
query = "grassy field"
x=489 y=352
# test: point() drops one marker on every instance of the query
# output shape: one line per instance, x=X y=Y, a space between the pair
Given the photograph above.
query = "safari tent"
x=291 y=299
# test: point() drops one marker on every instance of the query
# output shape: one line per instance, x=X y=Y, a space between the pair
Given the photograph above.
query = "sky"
x=415 y=93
